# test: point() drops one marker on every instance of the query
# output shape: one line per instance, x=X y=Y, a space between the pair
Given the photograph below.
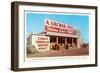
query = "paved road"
x=64 y=52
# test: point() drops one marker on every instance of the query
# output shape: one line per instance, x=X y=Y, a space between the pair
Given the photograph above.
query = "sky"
x=35 y=22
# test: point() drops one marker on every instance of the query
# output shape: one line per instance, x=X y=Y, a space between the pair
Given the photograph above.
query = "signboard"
x=41 y=43
x=53 y=26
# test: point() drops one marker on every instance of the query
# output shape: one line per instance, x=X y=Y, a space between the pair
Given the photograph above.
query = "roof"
x=61 y=34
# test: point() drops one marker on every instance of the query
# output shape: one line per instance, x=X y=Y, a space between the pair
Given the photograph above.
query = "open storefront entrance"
x=71 y=43
x=58 y=43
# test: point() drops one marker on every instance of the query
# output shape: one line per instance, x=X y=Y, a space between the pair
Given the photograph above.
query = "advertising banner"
x=53 y=26
x=41 y=43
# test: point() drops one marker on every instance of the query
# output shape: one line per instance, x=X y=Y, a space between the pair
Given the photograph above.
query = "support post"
x=57 y=40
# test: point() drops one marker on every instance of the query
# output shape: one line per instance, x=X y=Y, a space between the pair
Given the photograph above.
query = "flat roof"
x=57 y=34
x=61 y=34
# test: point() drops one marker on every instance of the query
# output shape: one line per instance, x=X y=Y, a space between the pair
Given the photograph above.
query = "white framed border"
x=76 y=60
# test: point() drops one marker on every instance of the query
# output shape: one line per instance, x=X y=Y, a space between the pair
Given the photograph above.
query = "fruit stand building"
x=60 y=36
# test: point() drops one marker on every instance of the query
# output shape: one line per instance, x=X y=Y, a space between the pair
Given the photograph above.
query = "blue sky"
x=35 y=22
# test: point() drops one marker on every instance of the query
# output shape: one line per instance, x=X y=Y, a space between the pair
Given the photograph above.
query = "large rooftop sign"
x=54 y=26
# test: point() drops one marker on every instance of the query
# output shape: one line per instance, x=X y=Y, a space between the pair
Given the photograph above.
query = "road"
x=64 y=52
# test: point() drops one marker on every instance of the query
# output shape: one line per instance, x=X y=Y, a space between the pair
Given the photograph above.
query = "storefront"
x=62 y=36
x=64 y=42
x=56 y=36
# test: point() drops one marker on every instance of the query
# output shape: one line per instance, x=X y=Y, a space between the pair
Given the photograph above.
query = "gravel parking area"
x=63 y=52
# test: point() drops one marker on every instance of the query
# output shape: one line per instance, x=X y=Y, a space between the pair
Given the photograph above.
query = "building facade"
x=60 y=36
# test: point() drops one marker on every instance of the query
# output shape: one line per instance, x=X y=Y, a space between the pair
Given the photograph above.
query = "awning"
x=61 y=35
